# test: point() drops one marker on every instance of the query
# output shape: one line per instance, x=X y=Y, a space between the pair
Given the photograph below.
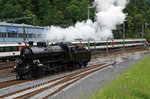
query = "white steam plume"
x=108 y=15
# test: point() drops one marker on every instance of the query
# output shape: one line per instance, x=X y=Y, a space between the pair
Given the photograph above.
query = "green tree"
x=74 y=12
x=70 y=11
x=138 y=13
x=33 y=20
x=10 y=10
x=84 y=9
x=77 y=10
x=26 y=4
x=53 y=17
x=147 y=35
x=43 y=5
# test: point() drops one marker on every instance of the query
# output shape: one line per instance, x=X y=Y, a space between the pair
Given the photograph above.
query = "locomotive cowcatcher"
x=43 y=59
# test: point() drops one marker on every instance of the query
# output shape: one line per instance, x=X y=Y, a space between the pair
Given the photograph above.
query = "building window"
x=30 y=35
x=2 y=34
x=20 y=35
x=38 y=35
x=12 y=35
x=34 y=36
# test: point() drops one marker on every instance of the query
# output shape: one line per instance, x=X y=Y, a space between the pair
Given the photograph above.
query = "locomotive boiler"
x=43 y=59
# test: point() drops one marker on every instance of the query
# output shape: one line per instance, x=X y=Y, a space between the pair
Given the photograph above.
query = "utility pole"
x=89 y=11
x=24 y=34
x=33 y=20
x=142 y=32
x=12 y=24
x=94 y=45
x=146 y=24
x=123 y=37
x=88 y=45
x=107 y=46
x=2 y=36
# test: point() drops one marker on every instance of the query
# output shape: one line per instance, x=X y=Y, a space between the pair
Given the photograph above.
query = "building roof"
x=19 y=25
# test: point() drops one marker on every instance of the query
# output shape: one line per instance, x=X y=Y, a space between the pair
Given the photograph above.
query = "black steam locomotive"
x=43 y=59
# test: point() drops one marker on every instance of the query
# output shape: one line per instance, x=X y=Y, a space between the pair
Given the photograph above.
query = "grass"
x=133 y=84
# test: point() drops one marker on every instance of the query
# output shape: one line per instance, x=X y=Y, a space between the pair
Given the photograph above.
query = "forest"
x=68 y=12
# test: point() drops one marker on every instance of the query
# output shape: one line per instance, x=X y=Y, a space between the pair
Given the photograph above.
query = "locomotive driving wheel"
x=85 y=64
x=18 y=77
x=30 y=75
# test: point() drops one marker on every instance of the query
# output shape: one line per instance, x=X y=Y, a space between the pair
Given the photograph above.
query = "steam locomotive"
x=43 y=59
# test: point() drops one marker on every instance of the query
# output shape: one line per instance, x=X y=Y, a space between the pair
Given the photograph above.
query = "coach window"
x=86 y=45
x=120 y=42
x=98 y=44
x=7 y=49
x=10 y=48
x=102 y=44
x=14 y=48
x=127 y=42
x=91 y=44
x=1 y=49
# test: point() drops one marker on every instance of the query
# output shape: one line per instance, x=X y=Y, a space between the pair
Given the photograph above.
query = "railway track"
x=15 y=82
x=6 y=65
x=117 y=50
x=52 y=86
